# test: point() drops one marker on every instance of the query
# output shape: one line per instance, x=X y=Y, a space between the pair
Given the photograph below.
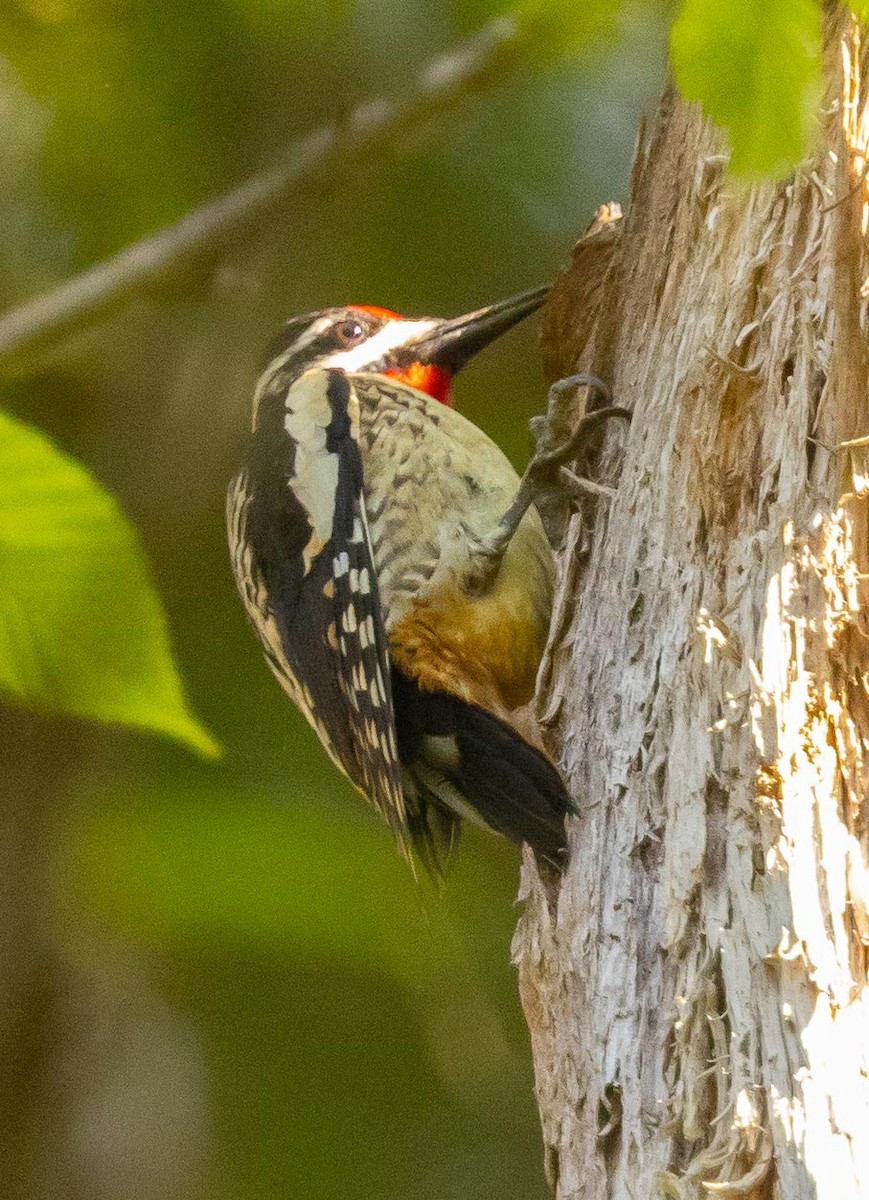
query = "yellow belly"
x=486 y=648
x=436 y=486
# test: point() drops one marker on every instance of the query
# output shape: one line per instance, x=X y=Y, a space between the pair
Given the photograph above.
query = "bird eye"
x=348 y=332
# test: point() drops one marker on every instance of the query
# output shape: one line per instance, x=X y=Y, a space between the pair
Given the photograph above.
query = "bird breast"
x=435 y=487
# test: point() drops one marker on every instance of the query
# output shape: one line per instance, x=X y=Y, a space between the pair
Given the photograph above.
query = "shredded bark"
x=697 y=995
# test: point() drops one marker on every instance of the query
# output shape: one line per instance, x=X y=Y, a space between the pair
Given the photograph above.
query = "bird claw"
x=558 y=425
x=578 y=486
x=556 y=484
x=546 y=478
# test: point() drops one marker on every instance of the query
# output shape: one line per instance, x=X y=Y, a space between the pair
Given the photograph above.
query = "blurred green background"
x=239 y=991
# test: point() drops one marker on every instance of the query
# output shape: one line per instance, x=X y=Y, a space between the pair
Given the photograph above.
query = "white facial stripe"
x=315 y=474
x=393 y=334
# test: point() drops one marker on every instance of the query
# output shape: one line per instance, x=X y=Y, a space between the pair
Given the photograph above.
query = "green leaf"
x=860 y=8
x=81 y=627
x=754 y=65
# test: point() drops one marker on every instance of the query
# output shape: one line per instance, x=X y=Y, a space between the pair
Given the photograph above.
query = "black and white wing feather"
x=303 y=563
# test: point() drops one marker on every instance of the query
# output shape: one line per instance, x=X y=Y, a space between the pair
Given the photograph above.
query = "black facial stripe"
x=292 y=345
x=339 y=427
x=302 y=343
x=300 y=351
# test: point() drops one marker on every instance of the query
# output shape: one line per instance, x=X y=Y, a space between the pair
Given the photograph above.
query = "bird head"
x=424 y=352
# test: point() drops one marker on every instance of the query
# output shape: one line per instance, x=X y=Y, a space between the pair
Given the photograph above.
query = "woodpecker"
x=398 y=578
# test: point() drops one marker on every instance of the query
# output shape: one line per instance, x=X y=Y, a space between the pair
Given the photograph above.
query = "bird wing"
x=461 y=661
x=305 y=569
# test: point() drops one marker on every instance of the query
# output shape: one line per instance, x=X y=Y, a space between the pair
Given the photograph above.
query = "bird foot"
x=546 y=477
x=557 y=484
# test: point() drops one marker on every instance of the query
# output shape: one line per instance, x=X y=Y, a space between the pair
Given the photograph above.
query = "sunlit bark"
x=697 y=994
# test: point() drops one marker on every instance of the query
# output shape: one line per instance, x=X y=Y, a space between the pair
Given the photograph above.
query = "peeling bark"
x=696 y=993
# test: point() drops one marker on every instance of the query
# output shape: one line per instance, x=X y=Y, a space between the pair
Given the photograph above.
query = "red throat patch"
x=434 y=381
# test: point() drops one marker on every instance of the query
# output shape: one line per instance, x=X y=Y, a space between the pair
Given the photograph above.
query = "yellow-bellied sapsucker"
x=401 y=597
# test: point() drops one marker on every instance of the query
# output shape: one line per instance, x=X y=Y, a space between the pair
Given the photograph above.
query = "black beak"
x=457 y=339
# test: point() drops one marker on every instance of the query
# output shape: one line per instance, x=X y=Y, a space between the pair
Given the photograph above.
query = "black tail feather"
x=434 y=830
x=509 y=783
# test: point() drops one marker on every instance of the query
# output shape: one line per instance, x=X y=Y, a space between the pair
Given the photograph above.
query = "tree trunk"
x=696 y=993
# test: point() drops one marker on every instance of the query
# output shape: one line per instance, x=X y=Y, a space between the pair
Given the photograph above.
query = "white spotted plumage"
x=336 y=561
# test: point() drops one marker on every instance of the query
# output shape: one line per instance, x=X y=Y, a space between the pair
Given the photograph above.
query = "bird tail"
x=472 y=763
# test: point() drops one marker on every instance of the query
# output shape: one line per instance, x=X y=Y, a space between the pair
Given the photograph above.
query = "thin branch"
x=206 y=231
